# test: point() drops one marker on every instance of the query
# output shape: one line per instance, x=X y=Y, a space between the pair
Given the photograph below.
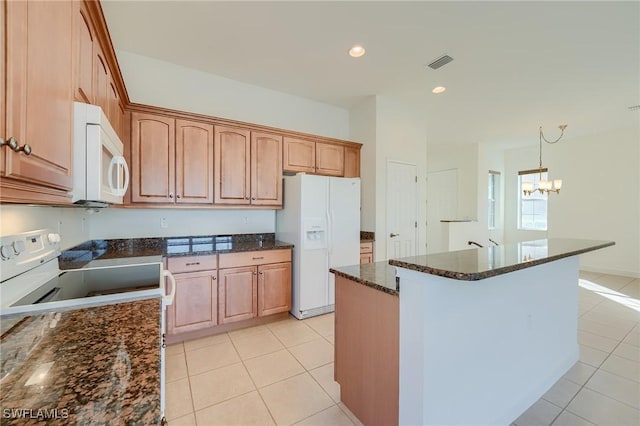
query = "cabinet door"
x=152 y=158
x=366 y=258
x=100 y=79
x=299 y=155
x=232 y=156
x=196 y=302
x=39 y=90
x=266 y=169
x=84 y=39
x=329 y=159
x=351 y=162
x=114 y=114
x=274 y=288
x=237 y=294
x=194 y=162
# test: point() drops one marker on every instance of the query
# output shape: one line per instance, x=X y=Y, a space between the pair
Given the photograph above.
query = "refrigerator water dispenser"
x=315 y=233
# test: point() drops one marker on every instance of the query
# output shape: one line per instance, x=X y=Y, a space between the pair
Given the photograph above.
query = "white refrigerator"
x=321 y=218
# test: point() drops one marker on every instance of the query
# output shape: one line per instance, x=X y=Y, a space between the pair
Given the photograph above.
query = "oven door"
x=81 y=288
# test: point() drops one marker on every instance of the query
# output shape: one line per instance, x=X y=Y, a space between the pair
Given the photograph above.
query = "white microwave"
x=100 y=172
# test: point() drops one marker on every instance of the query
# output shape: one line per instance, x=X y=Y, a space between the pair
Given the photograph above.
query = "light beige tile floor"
x=282 y=373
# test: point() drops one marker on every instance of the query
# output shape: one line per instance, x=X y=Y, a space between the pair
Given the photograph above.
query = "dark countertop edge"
x=464 y=276
x=458 y=220
x=365 y=282
x=277 y=246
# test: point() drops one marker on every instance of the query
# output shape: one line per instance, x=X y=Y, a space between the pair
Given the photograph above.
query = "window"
x=494 y=190
x=532 y=209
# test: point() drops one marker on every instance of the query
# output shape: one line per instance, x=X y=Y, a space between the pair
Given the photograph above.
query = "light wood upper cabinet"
x=152 y=158
x=299 y=155
x=319 y=158
x=266 y=169
x=194 y=162
x=39 y=91
x=274 y=288
x=232 y=155
x=195 y=305
x=237 y=294
x=329 y=159
x=351 y=162
x=84 y=40
x=100 y=80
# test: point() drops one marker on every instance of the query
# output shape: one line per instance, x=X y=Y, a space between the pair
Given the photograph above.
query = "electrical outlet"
x=163 y=222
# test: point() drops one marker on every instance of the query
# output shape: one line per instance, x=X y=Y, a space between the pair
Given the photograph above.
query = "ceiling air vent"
x=634 y=108
x=441 y=61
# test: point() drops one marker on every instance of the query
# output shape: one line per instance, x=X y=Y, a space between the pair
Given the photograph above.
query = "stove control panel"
x=21 y=252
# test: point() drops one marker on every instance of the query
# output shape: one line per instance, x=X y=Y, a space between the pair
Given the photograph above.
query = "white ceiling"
x=517 y=65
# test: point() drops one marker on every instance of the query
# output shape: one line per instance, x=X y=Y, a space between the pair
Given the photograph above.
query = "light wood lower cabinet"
x=261 y=288
x=274 y=288
x=196 y=302
x=238 y=294
x=366 y=252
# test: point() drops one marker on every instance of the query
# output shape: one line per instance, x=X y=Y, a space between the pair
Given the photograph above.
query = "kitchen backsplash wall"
x=136 y=223
x=71 y=223
x=77 y=225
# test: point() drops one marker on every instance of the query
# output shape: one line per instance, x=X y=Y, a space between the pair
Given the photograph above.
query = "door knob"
x=391 y=235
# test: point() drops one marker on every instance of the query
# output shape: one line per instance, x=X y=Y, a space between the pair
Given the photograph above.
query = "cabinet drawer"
x=192 y=263
x=366 y=247
x=250 y=258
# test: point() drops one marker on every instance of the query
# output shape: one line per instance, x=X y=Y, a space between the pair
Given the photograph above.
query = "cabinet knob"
x=11 y=143
x=215 y=278
x=171 y=195
x=26 y=148
x=253 y=198
x=178 y=196
x=246 y=198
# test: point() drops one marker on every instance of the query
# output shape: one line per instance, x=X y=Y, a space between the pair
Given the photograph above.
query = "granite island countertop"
x=153 y=249
x=480 y=263
x=379 y=275
x=97 y=365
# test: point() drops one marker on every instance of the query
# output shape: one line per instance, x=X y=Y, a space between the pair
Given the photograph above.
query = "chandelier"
x=544 y=185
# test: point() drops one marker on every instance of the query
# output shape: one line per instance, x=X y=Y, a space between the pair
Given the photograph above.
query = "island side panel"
x=366 y=351
x=489 y=348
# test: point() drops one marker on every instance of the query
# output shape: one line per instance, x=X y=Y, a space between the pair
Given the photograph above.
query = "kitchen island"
x=481 y=333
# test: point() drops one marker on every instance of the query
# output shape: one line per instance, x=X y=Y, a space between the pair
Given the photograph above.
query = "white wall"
x=133 y=223
x=463 y=158
x=72 y=223
x=491 y=158
x=362 y=128
x=600 y=197
x=154 y=82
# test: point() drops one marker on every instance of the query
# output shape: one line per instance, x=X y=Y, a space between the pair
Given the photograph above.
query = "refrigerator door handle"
x=328 y=231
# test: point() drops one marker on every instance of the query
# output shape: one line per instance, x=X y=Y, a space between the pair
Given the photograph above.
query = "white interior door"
x=402 y=209
x=442 y=204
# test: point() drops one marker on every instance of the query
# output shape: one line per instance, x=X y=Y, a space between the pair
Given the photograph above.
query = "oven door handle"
x=168 y=298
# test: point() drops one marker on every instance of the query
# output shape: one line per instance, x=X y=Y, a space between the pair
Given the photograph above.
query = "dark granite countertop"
x=98 y=365
x=79 y=256
x=366 y=236
x=379 y=275
x=481 y=263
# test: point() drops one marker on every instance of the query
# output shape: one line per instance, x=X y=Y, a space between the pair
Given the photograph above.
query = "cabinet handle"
x=192 y=263
x=258 y=258
x=11 y=143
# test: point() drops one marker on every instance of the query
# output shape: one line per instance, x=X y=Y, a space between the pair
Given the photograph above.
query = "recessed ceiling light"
x=439 y=89
x=356 y=51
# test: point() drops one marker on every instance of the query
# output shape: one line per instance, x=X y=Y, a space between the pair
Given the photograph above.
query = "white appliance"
x=100 y=172
x=321 y=218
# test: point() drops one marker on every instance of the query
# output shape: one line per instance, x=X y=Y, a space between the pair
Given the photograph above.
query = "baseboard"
x=633 y=274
